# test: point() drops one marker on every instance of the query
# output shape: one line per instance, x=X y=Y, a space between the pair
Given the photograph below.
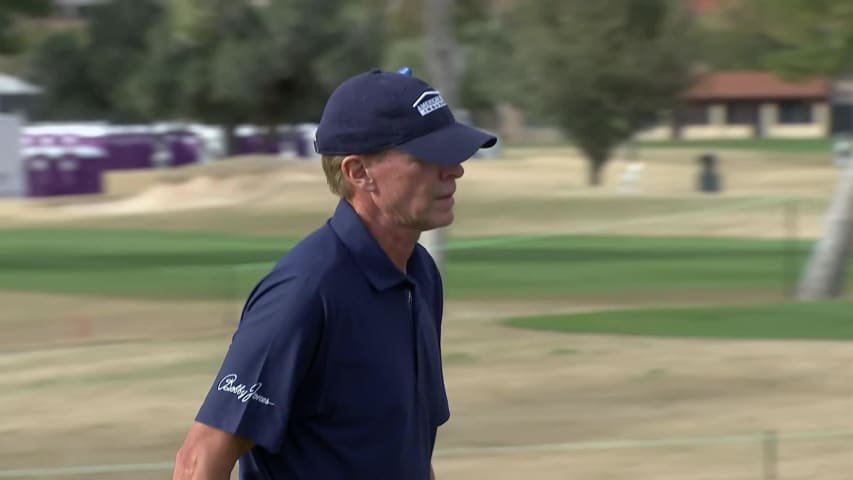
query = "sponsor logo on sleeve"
x=229 y=384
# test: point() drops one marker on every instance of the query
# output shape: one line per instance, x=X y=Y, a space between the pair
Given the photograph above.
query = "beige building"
x=732 y=105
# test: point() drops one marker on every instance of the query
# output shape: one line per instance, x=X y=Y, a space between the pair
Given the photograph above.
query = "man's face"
x=414 y=194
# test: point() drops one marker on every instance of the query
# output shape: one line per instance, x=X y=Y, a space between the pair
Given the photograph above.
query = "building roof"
x=749 y=85
x=10 y=85
x=703 y=6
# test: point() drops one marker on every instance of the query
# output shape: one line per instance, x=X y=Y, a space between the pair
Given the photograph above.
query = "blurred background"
x=646 y=278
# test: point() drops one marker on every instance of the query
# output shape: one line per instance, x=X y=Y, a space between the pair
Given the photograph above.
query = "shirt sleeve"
x=270 y=353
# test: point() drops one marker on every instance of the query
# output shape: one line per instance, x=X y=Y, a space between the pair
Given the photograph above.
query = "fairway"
x=169 y=265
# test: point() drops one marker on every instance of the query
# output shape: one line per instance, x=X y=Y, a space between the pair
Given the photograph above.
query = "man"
x=335 y=369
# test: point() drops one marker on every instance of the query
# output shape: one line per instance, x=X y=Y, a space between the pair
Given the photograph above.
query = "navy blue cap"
x=378 y=110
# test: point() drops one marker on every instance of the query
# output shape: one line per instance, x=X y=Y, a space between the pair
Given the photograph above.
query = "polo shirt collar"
x=365 y=250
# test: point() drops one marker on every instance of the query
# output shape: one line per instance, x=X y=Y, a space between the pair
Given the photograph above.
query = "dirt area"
x=90 y=380
x=33 y=321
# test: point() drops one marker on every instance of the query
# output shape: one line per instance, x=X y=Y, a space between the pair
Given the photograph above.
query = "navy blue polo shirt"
x=335 y=369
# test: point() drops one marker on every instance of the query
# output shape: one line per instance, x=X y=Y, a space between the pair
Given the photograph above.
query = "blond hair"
x=335 y=175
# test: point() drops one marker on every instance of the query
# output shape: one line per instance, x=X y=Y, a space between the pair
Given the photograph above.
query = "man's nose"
x=453 y=171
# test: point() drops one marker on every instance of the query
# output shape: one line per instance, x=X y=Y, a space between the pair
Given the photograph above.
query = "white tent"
x=10 y=85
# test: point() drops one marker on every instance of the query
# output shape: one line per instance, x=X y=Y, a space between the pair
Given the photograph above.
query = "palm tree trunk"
x=444 y=70
x=825 y=274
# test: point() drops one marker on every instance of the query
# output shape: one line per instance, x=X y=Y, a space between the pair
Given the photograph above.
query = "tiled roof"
x=755 y=85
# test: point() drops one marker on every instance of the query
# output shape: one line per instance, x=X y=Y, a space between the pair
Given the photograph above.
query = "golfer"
x=335 y=369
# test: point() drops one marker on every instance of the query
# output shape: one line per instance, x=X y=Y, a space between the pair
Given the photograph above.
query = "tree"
x=444 y=67
x=59 y=65
x=235 y=61
x=11 y=41
x=487 y=56
x=198 y=51
x=811 y=37
x=604 y=69
x=730 y=41
x=480 y=52
x=438 y=39
x=443 y=57
x=218 y=61
x=85 y=74
x=824 y=276
x=814 y=37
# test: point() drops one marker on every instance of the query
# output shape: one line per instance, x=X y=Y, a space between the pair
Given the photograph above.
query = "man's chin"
x=443 y=221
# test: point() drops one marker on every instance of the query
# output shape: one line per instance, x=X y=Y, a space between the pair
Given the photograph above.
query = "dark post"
x=709 y=177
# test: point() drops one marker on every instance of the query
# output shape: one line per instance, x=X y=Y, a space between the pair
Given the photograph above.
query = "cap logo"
x=426 y=105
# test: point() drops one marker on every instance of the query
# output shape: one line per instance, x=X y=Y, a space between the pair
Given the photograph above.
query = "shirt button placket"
x=413 y=315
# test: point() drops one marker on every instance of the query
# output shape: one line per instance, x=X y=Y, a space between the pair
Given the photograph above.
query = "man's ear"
x=355 y=172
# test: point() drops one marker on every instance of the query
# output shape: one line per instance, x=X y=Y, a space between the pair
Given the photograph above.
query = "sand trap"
x=197 y=192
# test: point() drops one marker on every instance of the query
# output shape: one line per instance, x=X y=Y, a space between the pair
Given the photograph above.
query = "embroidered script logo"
x=229 y=384
x=425 y=107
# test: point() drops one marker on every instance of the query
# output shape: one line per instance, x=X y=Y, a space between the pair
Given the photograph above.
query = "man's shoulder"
x=316 y=256
x=427 y=264
x=299 y=276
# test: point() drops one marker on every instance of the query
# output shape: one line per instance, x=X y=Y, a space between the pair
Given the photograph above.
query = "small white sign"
x=11 y=162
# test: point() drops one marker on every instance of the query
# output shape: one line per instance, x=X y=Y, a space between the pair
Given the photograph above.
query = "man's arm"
x=208 y=454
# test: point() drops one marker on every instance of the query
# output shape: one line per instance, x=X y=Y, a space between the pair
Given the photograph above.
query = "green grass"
x=49 y=248
x=204 y=266
x=785 y=145
x=607 y=267
x=133 y=263
x=808 y=321
x=611 y=212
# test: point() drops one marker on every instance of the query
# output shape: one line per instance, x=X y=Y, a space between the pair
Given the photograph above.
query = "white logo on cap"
x=425 y=107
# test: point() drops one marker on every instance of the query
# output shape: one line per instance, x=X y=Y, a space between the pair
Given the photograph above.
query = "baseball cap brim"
x=450 y=145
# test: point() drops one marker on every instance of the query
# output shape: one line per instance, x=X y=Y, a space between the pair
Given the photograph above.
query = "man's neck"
x=398 y=243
